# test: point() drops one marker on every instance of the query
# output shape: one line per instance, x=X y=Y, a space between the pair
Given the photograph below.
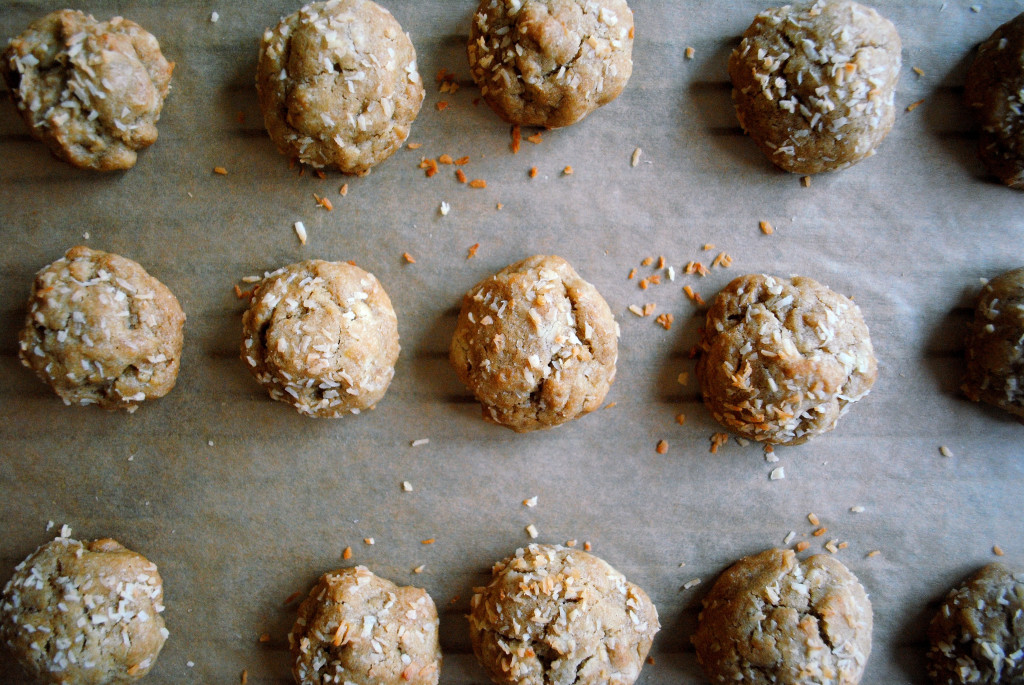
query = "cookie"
x=995 y=92
x=978 y=634
x=100 y=330
x=550 y=62
x=814 y=84
x=359 y=629
x=782 y=359
x=995 y=357
x=84 y=613
x=553 y=616
x=772 y=619
x=321 y=336
x=338 y=85
x=536 y=344
x=91 y=90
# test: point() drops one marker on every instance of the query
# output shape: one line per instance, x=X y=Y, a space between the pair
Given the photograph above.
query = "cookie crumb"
x=635 y=159
x=531 y=530
x=264 y=638
x=442 y=105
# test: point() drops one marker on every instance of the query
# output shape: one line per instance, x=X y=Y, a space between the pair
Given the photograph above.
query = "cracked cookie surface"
x=773 y=619
x=338 y=85
x=358 y=628
x=100 y=330
x=978 y=634
x=558 y=616
x=321 y=336
x=994 y=89
x=783 y=359
x=550 y=62
x=814 y=85
x=84 y=613
x=995 y=358
x=91 y=90
x=536 y=344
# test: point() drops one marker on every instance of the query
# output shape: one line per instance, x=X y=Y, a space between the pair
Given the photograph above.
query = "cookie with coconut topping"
x=536 y=344
x=814 y=85
x=550 y=62
x=995 y=359
x=100 y=330
x=338 y=85
x=770 y=618
x=782 y=359
x=978 y=634
x=995 y=91
x=553 y=615
x=360 y=629
x=321 y=336
x=84 y=613
x=91 y=90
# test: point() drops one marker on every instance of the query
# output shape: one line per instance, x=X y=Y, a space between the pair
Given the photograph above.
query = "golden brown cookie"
x=995 y=91
x=359 y=629
x=84 y=613
x=91 y=90
x=550 y=62
x=783 y=358
x=814 y=84
x=100 y=330
x=321 y=336
x=995 y=356
x=553 y=615
x=977 y=636
x=338 y=85
x=536 y=344
x=770 y=619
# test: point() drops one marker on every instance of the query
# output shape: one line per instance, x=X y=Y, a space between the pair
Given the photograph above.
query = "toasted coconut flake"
x=220 y=171
x=662 y=447
x=472 y=250
x=914 y=105
x=408 y=258
x=531 y=502
x=517 y=139
x=347 y=554
x=478 y=183
x=690 y=52
x=813 y=518
x=802 y=546
x=997 y=550
x=536 y=138
x=635 y=158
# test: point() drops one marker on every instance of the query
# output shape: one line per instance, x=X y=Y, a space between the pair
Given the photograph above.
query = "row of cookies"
x=781 y=359
x=91 y=613
x=814 y=85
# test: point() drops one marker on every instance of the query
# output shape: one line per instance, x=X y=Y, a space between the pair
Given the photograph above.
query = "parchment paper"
x=242 y=502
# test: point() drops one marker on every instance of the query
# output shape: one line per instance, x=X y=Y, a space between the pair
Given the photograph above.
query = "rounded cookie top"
x=358 y=628
x=338 y=85
x=536 y=344
x=91 y=90
x=978 y=634
x=556 y=615
x=772 y=619
x=783 y=358
x=814 y=85
x=100 y=330
x=84 y=613
x=550 y=62
x=995 y=360
x=321 y=336
x=995 y=91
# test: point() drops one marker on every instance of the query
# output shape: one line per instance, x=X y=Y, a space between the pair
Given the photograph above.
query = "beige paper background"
x=242 y=502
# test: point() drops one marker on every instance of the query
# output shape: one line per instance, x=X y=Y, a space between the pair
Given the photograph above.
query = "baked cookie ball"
x=338 y=85
x=772 y=619
x=100 y=330
x=360 y=629
x=978 y=634
x=550 y=62
x=84 y=613
x=557 y=616
x=995 y=355
x=783 y=358
x=536 y=344
x=814 y=84
x=321 y=336
x=995 y=91
x=91 y=90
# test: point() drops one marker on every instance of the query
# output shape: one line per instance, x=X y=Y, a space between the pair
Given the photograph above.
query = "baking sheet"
x=242 y=502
